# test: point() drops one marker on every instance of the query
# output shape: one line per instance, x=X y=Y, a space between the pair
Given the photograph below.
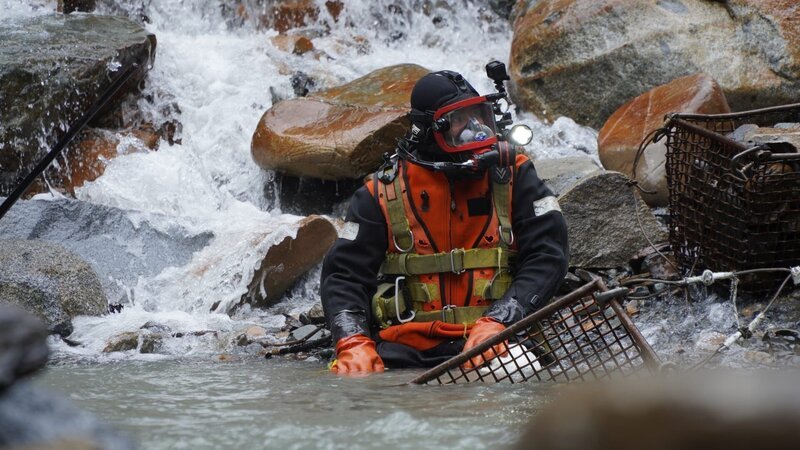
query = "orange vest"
x=445 y=243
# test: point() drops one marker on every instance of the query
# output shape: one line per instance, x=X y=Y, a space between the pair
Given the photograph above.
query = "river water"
x=223 y=77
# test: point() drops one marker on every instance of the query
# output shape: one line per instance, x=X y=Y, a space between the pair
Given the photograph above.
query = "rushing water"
x=292 y=405
x=223 y=77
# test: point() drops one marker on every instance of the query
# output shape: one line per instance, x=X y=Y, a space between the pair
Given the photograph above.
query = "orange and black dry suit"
x=439 y=243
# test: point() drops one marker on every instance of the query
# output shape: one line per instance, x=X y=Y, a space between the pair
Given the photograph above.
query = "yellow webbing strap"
x=456 y=261
x=401 y=231
x=500 y=193
x=462 y=315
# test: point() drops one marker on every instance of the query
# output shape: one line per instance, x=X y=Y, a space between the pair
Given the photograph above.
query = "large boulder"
x=119 y=247
x=619 y=139
x=585 y=58
x=338 y=133
x=601 y=221
x=289 y=259
x=23 y=345
x=50 y=282
x=52 y=69
x=561 y=173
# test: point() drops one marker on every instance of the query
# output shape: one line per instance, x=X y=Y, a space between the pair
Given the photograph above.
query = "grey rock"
x=52 y=69
x=117 y=247
x=601 y=221
x=315 y=315
x=49 y=281
x=560 y=173
x=32 y=417
x=122 y=342
x=568 y=56
x=307 y=330
x=23 y=345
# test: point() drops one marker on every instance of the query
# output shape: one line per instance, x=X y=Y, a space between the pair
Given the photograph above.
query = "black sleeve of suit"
x=350 y=269
x=543 y=252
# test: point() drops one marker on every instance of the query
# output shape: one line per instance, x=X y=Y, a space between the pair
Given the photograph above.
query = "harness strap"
x=461 y=315
x=455 y=261
x=401 y=231
x=500 y=193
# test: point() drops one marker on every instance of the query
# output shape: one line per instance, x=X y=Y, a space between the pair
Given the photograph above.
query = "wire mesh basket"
x=585 y=335
x=733 y=207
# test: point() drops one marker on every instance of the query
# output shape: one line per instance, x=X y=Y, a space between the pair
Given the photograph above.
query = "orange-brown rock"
x=585 y=58
x=86 y=159
x=286 y=15
x=294 y=43
x=288 y=260
x=621 y=135
x=338 y=133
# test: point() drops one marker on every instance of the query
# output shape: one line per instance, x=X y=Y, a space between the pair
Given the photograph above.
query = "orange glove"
x=356 y=354
x=484 y=328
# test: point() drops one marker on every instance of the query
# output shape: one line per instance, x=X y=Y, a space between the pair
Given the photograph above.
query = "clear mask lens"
x=474 y=123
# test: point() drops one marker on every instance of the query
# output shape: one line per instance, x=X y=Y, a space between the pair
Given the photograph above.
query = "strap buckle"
x=445 y=309
x=453 y=253
x=397 y=301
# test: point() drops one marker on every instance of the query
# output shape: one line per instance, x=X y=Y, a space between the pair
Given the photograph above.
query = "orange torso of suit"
x=463 y=229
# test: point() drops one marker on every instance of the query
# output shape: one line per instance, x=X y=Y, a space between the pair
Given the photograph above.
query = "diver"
x=453 y=239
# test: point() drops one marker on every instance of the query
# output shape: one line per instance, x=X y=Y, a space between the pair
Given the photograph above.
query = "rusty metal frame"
x=582 y=335
x=733 y=207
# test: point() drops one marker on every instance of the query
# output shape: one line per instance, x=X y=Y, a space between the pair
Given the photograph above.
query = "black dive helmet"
x=464 y=131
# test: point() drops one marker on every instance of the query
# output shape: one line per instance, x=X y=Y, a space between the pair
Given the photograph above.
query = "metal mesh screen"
x=576 y=337
x=733 y=208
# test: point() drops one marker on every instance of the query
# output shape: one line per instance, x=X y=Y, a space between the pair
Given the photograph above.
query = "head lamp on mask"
x=467 y=125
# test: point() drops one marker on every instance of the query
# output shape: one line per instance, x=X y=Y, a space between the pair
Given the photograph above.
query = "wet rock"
x=293 y=43
x=660 y=268
x=312 y=332
x=34 y=418
x=86 y=159
x=314 y=316
x=23 y=345
x=68 y=6
x=283 y=15
x=123 y=342
x=758 y=357
x=302 y=84
x=601 y=221
x=709 y=340
x=622 y=133
x=53 y=67
x=289 y=259
x=338 y=133
x=143 y=340
x=778 y=139
x=119 y=249
x=707 y=410
x=305 y=196
x=560 y=173
x=50 y=282
x=589 y=46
